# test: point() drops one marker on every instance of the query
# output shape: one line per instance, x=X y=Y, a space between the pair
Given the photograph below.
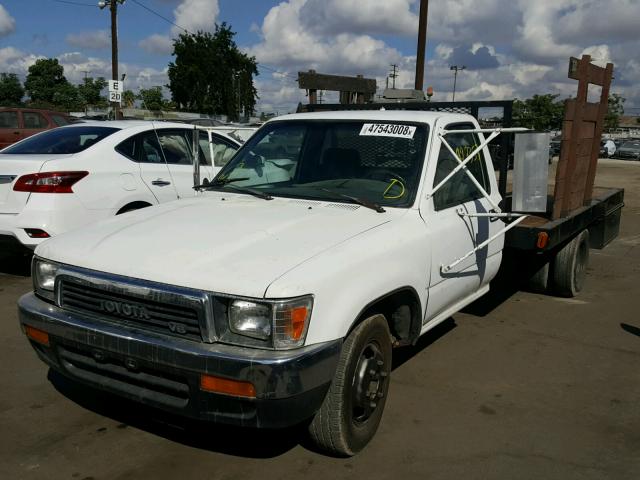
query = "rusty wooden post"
x=581 y=131
x=595 y=150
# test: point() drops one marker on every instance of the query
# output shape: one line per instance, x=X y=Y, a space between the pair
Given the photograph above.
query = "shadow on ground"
x=631 y=329
x=236 y=441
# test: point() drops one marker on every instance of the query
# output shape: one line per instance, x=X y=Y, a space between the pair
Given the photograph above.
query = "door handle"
x=160 y=183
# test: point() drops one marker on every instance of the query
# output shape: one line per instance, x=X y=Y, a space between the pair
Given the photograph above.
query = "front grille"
x=147 y=312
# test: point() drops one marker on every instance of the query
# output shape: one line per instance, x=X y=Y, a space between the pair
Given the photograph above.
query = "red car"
x=19 y=123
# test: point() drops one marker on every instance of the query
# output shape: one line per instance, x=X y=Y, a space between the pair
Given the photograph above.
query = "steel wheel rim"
x=369 y=380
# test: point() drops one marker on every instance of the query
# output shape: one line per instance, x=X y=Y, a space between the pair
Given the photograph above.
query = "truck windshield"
x=378 y=162
x=60 y=141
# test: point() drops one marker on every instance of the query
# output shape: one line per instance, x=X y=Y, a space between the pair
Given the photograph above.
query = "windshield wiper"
x=219 y=183
x=360 y=201
x=227 y=183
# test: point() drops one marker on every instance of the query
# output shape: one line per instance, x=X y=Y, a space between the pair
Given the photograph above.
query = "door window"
x=128 y=148
x=205 y=151
x=176 y=148
x=150 y=151
x=222 y=151
x=460 y=189
x=59 y=120
x=34 y=120
x=8 y=119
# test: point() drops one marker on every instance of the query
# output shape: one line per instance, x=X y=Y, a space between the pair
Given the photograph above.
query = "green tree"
x=45 y=78
x=152 y=98
x=542 y=112
x=615 y=111
x=128 y=99
x=211 y=75
x=11 y=91
x=67 y=98
x=90 y=91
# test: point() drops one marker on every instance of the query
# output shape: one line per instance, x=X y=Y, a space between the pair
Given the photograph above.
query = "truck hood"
x=225 y=243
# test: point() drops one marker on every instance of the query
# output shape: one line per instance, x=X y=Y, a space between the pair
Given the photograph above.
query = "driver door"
x=454 y=235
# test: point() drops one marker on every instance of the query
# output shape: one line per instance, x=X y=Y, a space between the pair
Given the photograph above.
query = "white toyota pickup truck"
x=277 y=294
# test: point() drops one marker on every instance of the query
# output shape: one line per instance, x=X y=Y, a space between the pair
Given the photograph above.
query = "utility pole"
x=422 y=44
x=455 y=69
x=113 y=8
x=394 y=74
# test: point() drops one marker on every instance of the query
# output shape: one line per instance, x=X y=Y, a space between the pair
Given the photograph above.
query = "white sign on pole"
x=116 y=86
x=115 y=96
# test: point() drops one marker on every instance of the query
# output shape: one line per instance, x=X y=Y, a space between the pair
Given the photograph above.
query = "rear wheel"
x=570 y=266
x=351 y=412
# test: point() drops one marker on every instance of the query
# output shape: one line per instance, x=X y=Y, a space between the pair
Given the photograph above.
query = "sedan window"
x=61 y=141
x=8 y=119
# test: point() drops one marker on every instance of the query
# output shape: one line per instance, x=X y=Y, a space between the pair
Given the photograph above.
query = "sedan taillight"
x=49 y=182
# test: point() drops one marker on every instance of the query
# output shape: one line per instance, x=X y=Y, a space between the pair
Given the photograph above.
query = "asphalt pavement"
x=537 y=388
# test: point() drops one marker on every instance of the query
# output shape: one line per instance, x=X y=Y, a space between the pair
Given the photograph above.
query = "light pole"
x=113 y=8
x=455 y=70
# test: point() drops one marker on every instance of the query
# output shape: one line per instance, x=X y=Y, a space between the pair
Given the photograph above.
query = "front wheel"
x=351 y=412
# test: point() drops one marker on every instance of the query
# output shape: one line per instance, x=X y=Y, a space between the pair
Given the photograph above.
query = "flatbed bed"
x=601 y=218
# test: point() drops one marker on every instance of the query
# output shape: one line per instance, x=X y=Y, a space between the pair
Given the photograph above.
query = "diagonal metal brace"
x=448 y=268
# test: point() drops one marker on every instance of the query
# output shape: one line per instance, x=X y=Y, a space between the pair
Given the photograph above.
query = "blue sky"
x=513 y=48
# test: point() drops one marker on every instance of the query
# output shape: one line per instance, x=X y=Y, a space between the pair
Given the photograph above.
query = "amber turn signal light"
x=209 y=383
x=295 y=326
x=543 y=240
x=37 y=335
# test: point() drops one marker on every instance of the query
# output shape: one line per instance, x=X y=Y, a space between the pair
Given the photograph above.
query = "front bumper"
x=165 y=372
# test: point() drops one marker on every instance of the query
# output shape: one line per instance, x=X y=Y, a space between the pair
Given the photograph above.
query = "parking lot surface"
x=536 y=388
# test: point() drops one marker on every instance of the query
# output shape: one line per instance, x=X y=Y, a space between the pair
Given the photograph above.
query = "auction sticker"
x=387 y=130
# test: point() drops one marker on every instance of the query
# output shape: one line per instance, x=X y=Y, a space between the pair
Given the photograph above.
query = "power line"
x=171 y=22
x=159 y=15
x=76 y=3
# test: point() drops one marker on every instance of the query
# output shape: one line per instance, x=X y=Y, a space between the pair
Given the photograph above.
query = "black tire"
x=539 y=281
x=570 y=266
x=350 y=414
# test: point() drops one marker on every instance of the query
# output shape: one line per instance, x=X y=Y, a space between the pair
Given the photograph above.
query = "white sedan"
x=71 y=176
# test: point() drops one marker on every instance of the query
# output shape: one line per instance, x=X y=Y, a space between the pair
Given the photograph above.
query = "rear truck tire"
x=351 y=412
x=570 y=266
x=539 y=281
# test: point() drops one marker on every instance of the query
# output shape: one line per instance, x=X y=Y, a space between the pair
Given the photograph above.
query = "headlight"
x=44 y=277
x=250 y=319
x=282 y=324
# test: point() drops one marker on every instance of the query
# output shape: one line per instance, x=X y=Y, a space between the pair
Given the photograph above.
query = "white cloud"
x=360 y=16
x=195 y=15
x=16 y=61
x=96 y=40
x=7 y=22
x=157 y=44
x=189 y=15
x=287 y=42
